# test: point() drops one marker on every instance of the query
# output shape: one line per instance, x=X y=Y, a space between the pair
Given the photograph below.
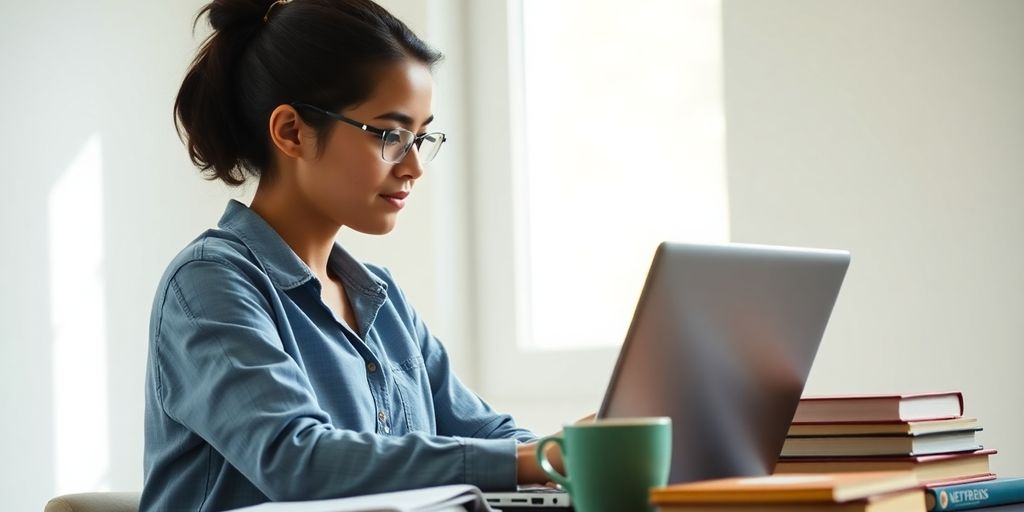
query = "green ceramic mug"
x=611 y=464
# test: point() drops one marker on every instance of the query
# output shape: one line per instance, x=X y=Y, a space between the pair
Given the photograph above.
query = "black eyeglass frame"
x=417 y=140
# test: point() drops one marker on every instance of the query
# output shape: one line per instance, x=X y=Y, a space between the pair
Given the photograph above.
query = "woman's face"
x=350 y=184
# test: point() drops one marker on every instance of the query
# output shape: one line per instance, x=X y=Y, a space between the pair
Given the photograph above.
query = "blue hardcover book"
x=973 y=496
x=1013 y=507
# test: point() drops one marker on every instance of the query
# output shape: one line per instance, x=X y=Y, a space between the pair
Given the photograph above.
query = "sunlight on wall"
x=624 y=148
x=78 y=314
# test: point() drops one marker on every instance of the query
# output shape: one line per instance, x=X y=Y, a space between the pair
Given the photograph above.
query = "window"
x=601 y=133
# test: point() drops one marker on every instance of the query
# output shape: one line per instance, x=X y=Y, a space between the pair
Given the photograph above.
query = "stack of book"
x=845 y=492
x=925 y=434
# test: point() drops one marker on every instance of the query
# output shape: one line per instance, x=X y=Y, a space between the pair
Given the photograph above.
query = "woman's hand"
x=528 y=469
x=582 y=421
x=587 y=419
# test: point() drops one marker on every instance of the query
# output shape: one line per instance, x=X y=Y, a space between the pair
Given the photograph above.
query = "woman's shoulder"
x=213 y=248
x=214 y=268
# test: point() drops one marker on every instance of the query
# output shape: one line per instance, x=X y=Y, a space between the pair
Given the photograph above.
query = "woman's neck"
x=306 y=231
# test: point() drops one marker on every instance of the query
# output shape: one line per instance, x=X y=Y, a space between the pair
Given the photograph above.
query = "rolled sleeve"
x=491 y=463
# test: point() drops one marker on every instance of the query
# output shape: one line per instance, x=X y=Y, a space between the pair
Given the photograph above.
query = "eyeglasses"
x=396 y=142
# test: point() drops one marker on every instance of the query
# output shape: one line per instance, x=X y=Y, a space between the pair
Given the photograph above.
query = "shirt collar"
x=281 y=263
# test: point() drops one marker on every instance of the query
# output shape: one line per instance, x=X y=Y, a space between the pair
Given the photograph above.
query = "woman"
x=280 y=368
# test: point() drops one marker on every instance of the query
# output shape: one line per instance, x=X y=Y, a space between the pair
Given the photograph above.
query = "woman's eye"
x=423 y=137
x=392 y=138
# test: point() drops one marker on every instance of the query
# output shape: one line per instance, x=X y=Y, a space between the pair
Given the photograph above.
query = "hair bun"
x=246 y=69
x=228 y=15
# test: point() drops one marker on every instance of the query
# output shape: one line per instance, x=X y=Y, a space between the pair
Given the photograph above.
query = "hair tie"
x=266 y=17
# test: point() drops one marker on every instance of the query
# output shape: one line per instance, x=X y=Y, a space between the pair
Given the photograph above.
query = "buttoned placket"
x=366 y=299
x=375 y=375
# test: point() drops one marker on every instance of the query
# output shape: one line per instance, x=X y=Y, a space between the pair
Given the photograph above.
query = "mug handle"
x=545 y=464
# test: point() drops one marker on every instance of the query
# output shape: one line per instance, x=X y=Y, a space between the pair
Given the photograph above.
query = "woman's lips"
x=396 y=199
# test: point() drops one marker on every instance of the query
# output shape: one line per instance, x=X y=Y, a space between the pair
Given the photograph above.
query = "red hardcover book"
x=880 y=408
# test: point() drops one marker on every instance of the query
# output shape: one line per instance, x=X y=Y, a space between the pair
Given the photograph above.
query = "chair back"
x=95 y=502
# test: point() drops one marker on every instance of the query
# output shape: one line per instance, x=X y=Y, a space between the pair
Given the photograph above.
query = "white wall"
x=87 y=92
x=894 y=129
x=87 y=84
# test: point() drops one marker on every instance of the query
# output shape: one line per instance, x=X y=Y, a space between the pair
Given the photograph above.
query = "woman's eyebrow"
x=403 y=118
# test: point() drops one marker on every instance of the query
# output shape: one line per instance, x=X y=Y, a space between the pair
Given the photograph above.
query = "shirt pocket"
x=414 y=392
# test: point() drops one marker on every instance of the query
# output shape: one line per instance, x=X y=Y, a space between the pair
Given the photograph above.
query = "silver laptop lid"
x=722 y=341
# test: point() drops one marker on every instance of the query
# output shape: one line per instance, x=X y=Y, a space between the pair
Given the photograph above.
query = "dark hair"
x=323 y=52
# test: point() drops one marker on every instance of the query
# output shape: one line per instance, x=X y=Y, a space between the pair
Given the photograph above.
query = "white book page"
x=415 y=500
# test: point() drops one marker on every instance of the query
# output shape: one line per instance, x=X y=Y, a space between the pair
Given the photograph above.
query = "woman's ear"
x=288 y=133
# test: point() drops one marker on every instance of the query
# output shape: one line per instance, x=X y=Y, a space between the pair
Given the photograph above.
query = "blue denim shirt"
x=256 y=392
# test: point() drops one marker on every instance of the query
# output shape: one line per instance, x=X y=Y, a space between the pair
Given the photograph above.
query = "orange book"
x=904 y=501
x=793 y=488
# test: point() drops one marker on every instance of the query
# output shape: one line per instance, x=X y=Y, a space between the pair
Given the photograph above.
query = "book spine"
x=976 y=495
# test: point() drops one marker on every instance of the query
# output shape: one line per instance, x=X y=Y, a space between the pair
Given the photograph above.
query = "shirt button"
x=387 y=429
x=371 y=367
x=382 y=417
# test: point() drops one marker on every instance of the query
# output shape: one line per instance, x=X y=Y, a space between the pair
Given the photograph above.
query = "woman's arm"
x=222 y=372
x=458 y=411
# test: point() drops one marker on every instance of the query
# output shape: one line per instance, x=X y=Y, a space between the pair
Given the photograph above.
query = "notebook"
x=722 y=341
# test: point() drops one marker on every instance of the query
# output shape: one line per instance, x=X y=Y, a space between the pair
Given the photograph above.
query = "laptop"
x=722 y=341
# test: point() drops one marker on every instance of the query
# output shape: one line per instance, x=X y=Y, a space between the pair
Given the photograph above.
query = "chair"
x=95 y=502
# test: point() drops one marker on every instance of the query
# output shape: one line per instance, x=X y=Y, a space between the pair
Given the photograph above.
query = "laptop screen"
x=722 y=341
